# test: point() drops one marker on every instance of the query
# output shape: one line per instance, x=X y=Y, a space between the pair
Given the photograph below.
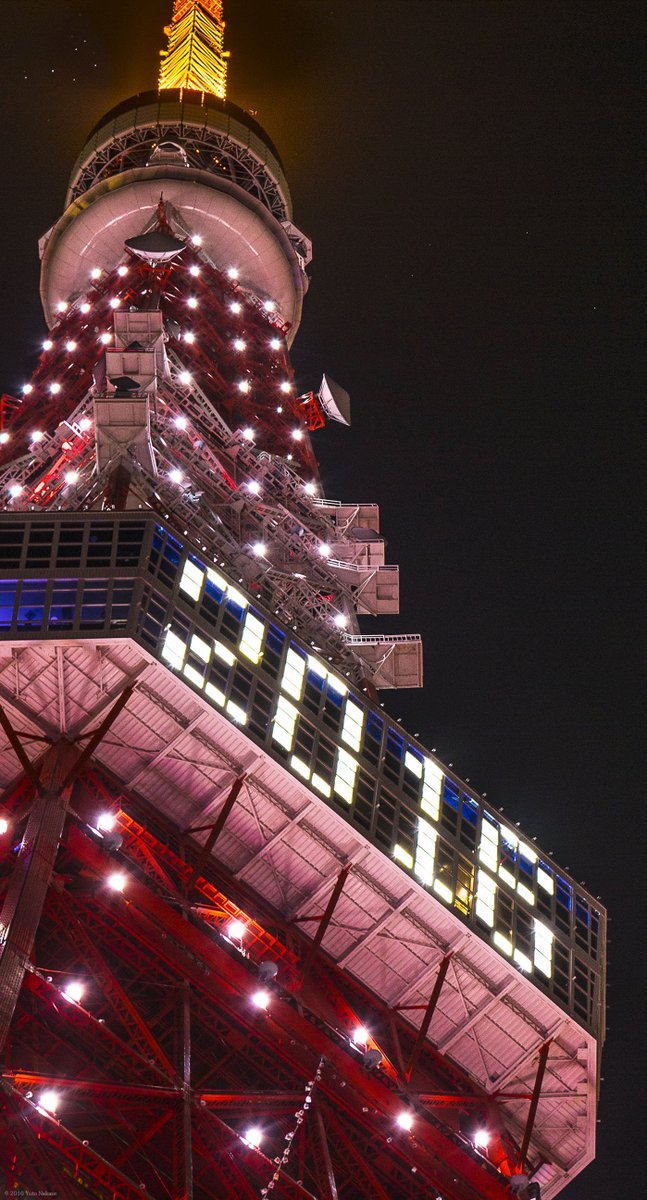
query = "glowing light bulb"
x=175 y=476
x=71 y=476
x=233 y=272
x=194 y=270
x=15 y=490
x=95 y=273
x=74 y=991
x=106 y=822
x=481 y=1139
x=269 y=305
x=185 y=378
x=254 y=487
x=340 y=620
x=286 y=386
x=106 y=338
x=71 y=346
x=235 y=931
x=275 y=344
x=4 y=437
x=324 y=550
x=235 y=307
x=47 y=344
x=122 y=270
x=249 y=434
x=297 y=434
x=180 y=422
x=192 y=302
x=115 y=302
x=189 y=337
x=309 y=489
x=62 y=306
x=49 y=1102
x=259 y=549
x=84 y=424
x=116 y=881
x=261 y=1000
x=361 y=1036
x=279 y=408
x=27 y=389
x=37 y=435
x=253 y=1138
x=54 y=388
x=196 y=239
x=4 y=826
x=239 y=345
x=405 y=1121
x=243 y=386
x=85 y=307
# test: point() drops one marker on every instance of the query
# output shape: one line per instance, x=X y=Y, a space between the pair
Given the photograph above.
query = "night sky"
x=467 y=172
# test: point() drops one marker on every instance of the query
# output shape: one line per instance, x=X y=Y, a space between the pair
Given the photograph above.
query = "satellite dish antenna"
x=334 y=400
x=156 y=246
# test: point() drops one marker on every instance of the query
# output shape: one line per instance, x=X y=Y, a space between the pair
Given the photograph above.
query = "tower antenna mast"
x=196 y=59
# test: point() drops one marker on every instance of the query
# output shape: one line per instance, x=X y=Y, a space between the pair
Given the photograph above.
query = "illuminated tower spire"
x=195 y=58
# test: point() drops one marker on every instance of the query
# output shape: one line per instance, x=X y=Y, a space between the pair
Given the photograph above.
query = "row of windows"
x=60 y=605
x=67 y=544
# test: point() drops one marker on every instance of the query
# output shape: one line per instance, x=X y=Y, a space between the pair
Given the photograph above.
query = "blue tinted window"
x=374 y=726
x=395 y=743
x=32 y=601
x=450 y=793
x=275 y=639
x=7 y=601
x=470 y=811
x=563 y=893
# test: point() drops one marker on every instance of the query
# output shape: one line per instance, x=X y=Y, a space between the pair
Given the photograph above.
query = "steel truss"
x=163 y=1067
x=198 y=430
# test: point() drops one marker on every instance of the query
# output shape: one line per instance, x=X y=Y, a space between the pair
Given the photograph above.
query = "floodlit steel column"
x=534 y=1103
x=23 y=903
x=426 y=1020
x=187 y=1099
x=324 y=922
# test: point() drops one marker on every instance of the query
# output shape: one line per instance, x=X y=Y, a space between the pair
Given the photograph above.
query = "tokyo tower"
x=255 y=939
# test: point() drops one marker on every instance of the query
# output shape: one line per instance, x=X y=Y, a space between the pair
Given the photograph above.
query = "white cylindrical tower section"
x=220 y=178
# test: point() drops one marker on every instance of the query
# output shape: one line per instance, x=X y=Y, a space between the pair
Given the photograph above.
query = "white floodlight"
x=185 y=378
x=188 y=337
x=243 y=386
x=175 y=476
x=4 y=826
x=405 y=1121
x=297 y=434
x=15 y=490
x=275 y=343
x=54 y=388
x=340 y=620
x=239 y=345
x=47 y=344
x=106 y=822
x=115 y=302
x=254 y=487
x=235 y=931
x=196 y=239
x=253 y=1138
x=180 y=422
x=84 y=308
x=259 y=549
x=95 y=273
x=286 y=386
x=71 y=346
x=324 y=550
x=192 y=302
x=48 y=1102
x=74 y=991
x=122 y=270
x=249 y=434
x=261 y=1000
x=235 y=307
x=233 y=272
x=71 y=477
x=194 y=270
x=116 y=881
x=481 y=1139
x=27 y=389
x=37 y=435
x=361 y=1036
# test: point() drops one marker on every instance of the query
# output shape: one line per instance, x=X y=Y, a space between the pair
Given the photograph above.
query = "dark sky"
x=467 y=170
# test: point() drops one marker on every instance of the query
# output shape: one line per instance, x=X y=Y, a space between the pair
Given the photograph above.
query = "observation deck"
x=435 y=875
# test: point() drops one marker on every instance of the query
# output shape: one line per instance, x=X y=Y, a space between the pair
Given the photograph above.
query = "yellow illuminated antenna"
x=195 y=58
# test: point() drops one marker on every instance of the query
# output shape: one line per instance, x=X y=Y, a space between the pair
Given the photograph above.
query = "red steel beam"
x=216 y=830
x=146 y=914
x=426 y=1020
x=324 y=922
x=532 y=1111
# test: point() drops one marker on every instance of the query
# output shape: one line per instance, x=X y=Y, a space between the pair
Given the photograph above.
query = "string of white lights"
x=300 y=1116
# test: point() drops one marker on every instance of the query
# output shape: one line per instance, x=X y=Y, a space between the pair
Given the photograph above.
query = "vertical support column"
x=187 y=1100
x=23 y=903
x=430 y=1010
x=534 y=1103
